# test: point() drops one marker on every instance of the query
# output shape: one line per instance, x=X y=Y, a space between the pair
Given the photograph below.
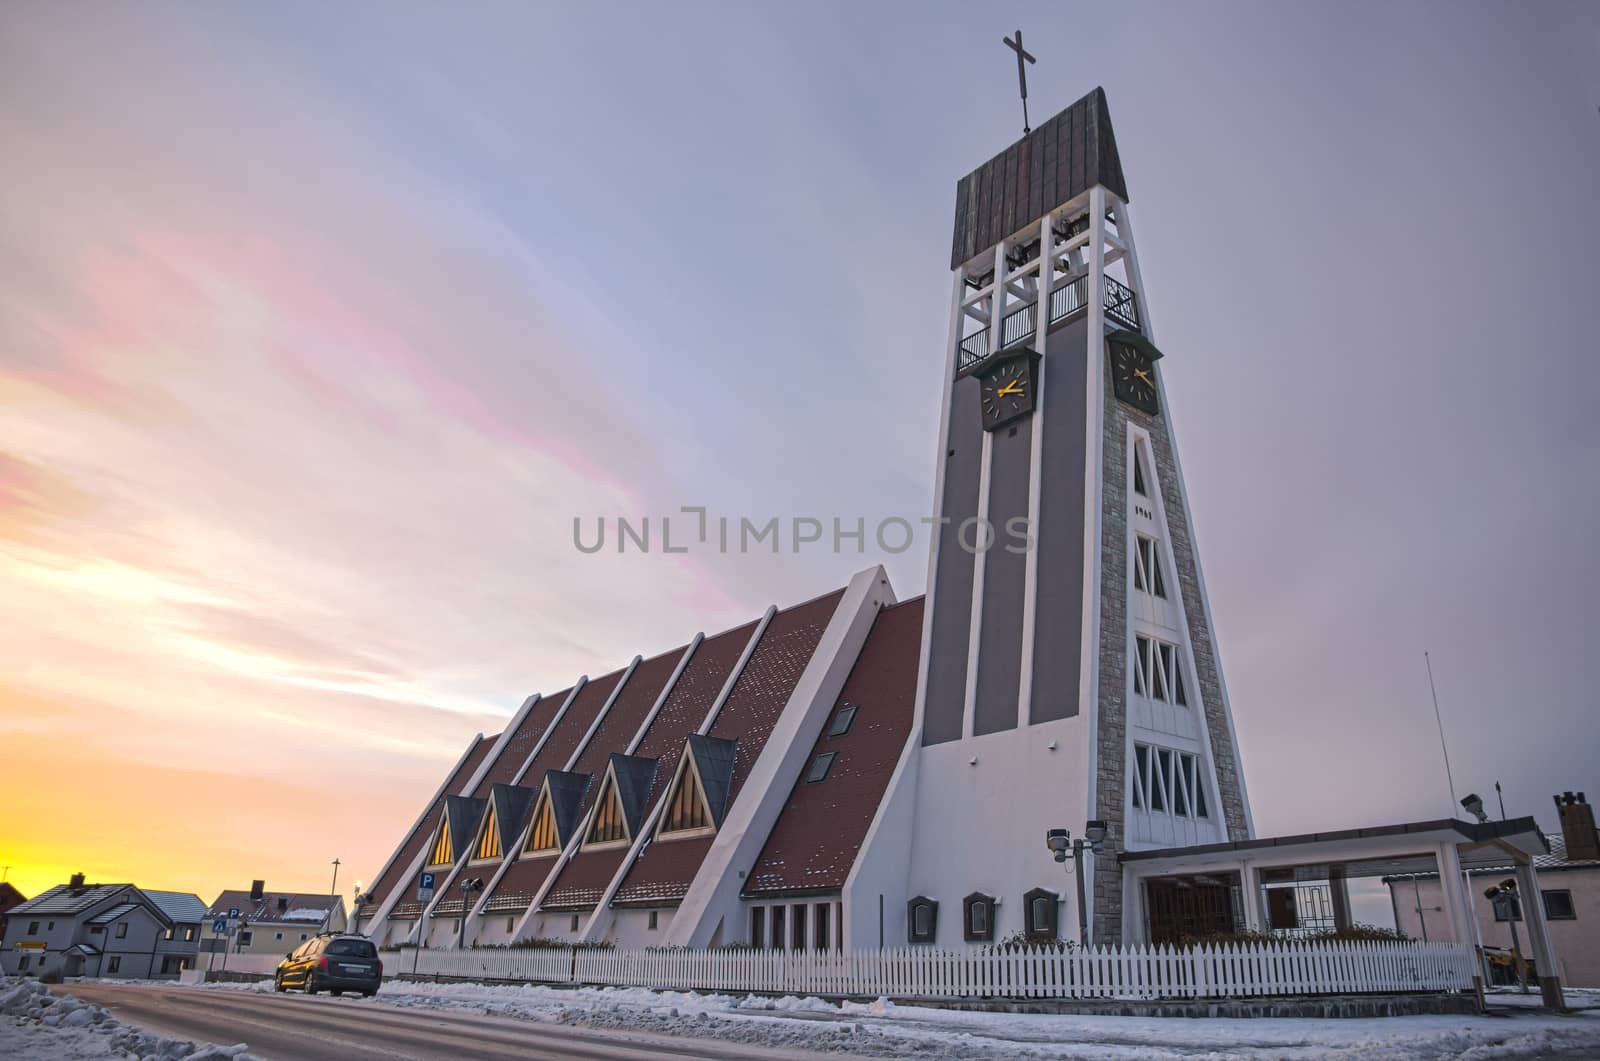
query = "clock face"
x=1133 y=376
x=1007 y=392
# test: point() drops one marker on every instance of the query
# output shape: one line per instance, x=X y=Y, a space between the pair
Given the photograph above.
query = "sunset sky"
x=320 y=324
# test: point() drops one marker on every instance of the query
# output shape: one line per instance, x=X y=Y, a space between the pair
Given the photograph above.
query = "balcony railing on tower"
x=1068 y=300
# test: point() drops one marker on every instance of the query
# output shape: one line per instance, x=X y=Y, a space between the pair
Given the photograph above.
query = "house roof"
x=9 y=896
x=820 y=830
x=275 y=907
x=66 y=899
x=115 y=913
x=422 y=832
x=181 y=908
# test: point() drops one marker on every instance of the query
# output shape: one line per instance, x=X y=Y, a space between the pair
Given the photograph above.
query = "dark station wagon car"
x=332 y=963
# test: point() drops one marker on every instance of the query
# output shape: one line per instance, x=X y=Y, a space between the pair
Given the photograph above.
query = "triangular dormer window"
x=686 y=805
x=443 y=852
x=542 y=838
x=609 y=824
x=1138 y=472
x=489 y=840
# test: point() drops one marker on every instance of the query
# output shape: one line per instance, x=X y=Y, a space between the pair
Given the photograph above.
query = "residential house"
x=110 y=930
x=272 y=922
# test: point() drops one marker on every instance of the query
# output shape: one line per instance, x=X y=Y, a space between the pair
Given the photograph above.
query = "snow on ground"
x=885 y=1029
x=39 y=1026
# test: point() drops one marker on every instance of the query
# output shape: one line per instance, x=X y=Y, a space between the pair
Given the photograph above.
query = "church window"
x=1039 y=913
x=1147 y=577
x=978 y=922
x=608 y=824
x=1138 y=472
x=1169 y=782
x=442 y=852
x=489 y=842
x=687 y=810
x=922 y=919
x=842 y=720
x=542 y=837
x=1141 y=666
x=820 y=767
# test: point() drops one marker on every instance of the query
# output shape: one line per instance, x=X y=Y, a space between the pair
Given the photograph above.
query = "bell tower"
x=1069 y=671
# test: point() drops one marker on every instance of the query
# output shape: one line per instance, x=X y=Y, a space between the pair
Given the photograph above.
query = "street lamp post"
x=1060 y=842
x=355 y=910
x=468 y=888
x=1505 y=895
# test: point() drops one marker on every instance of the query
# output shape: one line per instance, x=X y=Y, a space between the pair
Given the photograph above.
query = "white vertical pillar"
x=1030 y=577
x=1456 y=912
x=1250 y=888
x=1551 y=980
x=1089 y=672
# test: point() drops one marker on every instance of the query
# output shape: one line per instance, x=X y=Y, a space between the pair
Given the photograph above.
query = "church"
x=1040 y=748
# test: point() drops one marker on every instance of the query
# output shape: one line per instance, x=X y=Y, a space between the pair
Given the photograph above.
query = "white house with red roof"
x=272 y=922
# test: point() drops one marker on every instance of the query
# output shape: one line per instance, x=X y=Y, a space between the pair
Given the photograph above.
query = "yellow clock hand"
x=1010 y=388
x=1141 y=374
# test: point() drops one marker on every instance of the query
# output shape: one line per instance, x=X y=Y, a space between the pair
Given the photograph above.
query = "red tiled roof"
x=638 y=696
x=814 y=842
x=663 y=871
x=521 y=744
x=686 y=707
x=430 y=820
x=583 y=879
x=752 y=709
x=574 y=724
x=520 y=883
x=273 y=906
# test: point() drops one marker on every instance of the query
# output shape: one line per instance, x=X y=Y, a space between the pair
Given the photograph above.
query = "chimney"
x=256 y=888
x=76 y=882
x=283 y=903
x=1577 y=826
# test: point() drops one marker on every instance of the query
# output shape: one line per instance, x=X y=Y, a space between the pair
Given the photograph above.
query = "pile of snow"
x=39 y=1025
x=883 y=1028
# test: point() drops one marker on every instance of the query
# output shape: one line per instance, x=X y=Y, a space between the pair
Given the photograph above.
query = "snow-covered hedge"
x=39 y=1025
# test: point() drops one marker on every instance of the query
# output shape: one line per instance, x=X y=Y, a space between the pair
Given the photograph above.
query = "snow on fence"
x=1227 y=971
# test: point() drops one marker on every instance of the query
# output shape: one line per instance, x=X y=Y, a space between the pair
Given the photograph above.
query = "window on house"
x=442 y=853
x=276 y=936
x=1558 y=905
x=797 y=927
x=24 y=962
x=542 y=837
x=50 y=927
x=978 y=924
x=1147 y=577
x=170 y=933
x=820 y=767
x=122 y=930
x=1138 y=472
x=33 y=928
x=574 y=922
x=687 y=809
x=188 y=933
x=246 y=938
x=821 y=936
x=608 y=823
x=777 y=928
x=97 y=930
x=304 y=936
x=1141 y=774
x=114 y=964
x=758 y=927
x=653 y=921
x=922 y=917
x=1141 y=665
x=1040 y=906
x=511 y=925
x=841 y=720
x=489 y=840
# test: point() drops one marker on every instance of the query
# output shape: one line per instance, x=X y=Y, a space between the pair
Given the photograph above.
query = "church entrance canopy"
x=1298 y=885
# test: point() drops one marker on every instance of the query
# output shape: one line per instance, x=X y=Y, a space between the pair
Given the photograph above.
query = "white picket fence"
x=1229 y=971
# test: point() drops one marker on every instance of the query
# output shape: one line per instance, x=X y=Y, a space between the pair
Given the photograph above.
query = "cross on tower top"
x=1022 y=75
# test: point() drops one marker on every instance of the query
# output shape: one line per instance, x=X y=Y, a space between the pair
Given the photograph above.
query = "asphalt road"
x=293 y=1027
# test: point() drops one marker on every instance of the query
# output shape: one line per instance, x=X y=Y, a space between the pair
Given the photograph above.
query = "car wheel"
x=277 y=984
x=311 y=985
x=336 y=993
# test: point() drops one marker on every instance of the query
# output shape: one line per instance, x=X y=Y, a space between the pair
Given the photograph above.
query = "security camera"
x=1474 y=806
x=1058 y=840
